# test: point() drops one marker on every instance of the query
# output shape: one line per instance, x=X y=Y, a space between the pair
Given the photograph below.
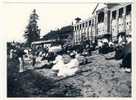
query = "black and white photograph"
x=69 y=49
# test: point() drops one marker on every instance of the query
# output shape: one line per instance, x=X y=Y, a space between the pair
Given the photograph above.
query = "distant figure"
x=33 y=57
x=126 y=61
x=118 y=52
x=20 y=52
x=129 y=38
x=85 y=52
x=82 y=59
x=111 y=44
x=120 y=39
x=39 y=58
x=50 y=57
x=100 y=44
x=55 y=49
x=11 y=53
x=105 y=47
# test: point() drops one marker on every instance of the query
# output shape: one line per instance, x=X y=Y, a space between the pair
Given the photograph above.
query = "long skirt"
x=21 y=64
x=67 y=72
x=126 y=62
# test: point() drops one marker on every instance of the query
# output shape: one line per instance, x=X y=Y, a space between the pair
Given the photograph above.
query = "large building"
x=107 y=21
x=63 y=36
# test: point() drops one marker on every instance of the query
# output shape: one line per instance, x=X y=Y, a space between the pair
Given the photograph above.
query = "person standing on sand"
x=20 y=52
x=11 y=54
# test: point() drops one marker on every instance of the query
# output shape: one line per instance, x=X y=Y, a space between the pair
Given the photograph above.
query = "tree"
x=32 y=32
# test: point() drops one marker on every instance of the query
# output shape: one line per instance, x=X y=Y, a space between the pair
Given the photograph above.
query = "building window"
x=89 y=22
x=92 y=22
x=101 y=17
x=80 y=26
x=75 y=28
x=86 y=24
x=83 y=25
x=128 y=9
x=120 y=12
x=114 y=14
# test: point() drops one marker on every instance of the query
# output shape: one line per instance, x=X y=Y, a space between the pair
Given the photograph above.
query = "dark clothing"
x=126 y=62
x=118 y=53
x=51 y=56
x=34 y=61
x=20 y=53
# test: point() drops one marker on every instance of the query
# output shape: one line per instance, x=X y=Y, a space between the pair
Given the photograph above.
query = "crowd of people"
x=63 y=63
x=65 y=66
x=122 y=49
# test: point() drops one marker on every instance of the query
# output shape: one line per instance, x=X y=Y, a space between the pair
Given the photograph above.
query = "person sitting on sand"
x=70 y=68
x=58 y=63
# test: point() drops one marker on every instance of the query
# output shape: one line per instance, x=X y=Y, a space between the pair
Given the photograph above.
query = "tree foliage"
x=62 y=33
x=32 y=32
x=62 y=36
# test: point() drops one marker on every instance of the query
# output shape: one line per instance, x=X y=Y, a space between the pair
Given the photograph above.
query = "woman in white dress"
x=59 y=63
x=69 y=69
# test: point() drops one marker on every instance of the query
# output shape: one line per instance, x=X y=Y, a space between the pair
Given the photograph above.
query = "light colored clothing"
x=55 y=49
x=11 y=54
x=58 y=66
x=105 y=40
x=40 y=53
x=110 y=44
x=100 y=44
x=73 y=63
x=77 y=56
x=38 y=59
x=120 y=39
x=58 y=58
x=21 y=64
x=67 y=72
x=59 y=63
x=69 y=69
x=26 y=51
x=129 y=40
x=65 y=69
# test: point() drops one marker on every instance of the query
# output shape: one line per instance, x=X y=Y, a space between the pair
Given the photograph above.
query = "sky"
x=51 y=16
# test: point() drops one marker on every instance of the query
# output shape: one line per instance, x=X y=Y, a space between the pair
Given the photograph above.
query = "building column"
x=74 y=35
x=96 y=25
x=81 y=32
x=77 y=33
x=124 y=18
x=111 y=23
x=117 y=16
x=89 y=35
x=106 y=21
x=91 y=30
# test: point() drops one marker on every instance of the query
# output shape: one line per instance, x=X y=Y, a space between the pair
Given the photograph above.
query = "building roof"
x=43 y=41
x=99 y=6
x=104 y=5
